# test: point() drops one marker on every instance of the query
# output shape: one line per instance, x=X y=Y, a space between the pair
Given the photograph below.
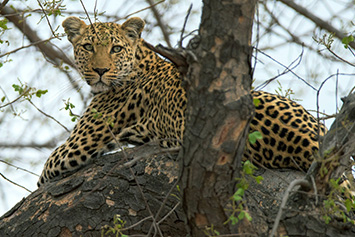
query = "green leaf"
x=3 y=23
x=258 y=179
x=254 y=136
x=248 y=169
x=258 y=135
x=3 y=99
x=237 y=198
x=347 y=40
x=233 y=219
x=18 y=88
x=326 y=219
x=252 y=139
x=256 y=102
x=239 y=192
x=39 y=93
x=248 y=216
x=241 y=215
x=348 y=204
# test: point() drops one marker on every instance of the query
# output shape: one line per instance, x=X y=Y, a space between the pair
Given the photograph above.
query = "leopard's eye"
x=88 y=47
x=116 y=49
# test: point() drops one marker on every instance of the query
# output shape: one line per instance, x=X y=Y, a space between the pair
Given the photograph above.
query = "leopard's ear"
x=133 y=27
x=74 y=27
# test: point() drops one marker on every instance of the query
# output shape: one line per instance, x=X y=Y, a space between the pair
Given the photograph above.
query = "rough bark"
x=218 y=113
x=84 y=202
x=340 y=139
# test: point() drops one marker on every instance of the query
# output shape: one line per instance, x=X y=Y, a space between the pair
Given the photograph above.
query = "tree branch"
x=49 y=116
x=19 y=168
x=294 y=183
x=316 y=20
x=13 y=101
x=2 y=5
x=176 y=56
x=49 y=145
x=160 y=23
x=46 y=48
x=14 y=183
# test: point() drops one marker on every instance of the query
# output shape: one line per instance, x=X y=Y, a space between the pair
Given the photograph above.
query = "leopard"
x=139 y=97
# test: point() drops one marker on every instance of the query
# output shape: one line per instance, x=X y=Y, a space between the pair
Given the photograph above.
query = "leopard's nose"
x=101 y=71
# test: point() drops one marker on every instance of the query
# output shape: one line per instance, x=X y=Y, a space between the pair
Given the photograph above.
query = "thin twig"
x=11 y=106
x=184 y=26
x=137 y=223
x=45 y=15
x=340 y=58
x=49 y=116
x=160 y=23
x=45 y=47
x=295 y=162
x=287 y=69
x=27 y=46
x=294 y=183
x=323 y=83
x=11 y=102
x=163 y=204
x=326 y=116
x=288 y=41
x=49 y=145
x=14 y=183
x=257 y=42
x=87 y=14
x=316 y=20
x=19 y=168
x=314 y=188
x=169 y=213
x=146 y=8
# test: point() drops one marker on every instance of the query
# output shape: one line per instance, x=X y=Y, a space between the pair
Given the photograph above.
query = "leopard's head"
x=104 y=52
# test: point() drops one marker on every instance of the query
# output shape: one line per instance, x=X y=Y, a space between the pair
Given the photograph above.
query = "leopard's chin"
x=99 y=87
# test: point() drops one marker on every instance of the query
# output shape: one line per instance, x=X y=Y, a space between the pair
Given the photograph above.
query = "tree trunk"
x=218 y=114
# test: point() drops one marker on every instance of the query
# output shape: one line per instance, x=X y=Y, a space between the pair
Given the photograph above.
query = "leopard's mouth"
x=99 y=87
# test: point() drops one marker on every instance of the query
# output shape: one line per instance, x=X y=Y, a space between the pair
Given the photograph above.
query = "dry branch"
x=46 y=48
x=163 y=27
x=3 y=4
x=316 y=20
